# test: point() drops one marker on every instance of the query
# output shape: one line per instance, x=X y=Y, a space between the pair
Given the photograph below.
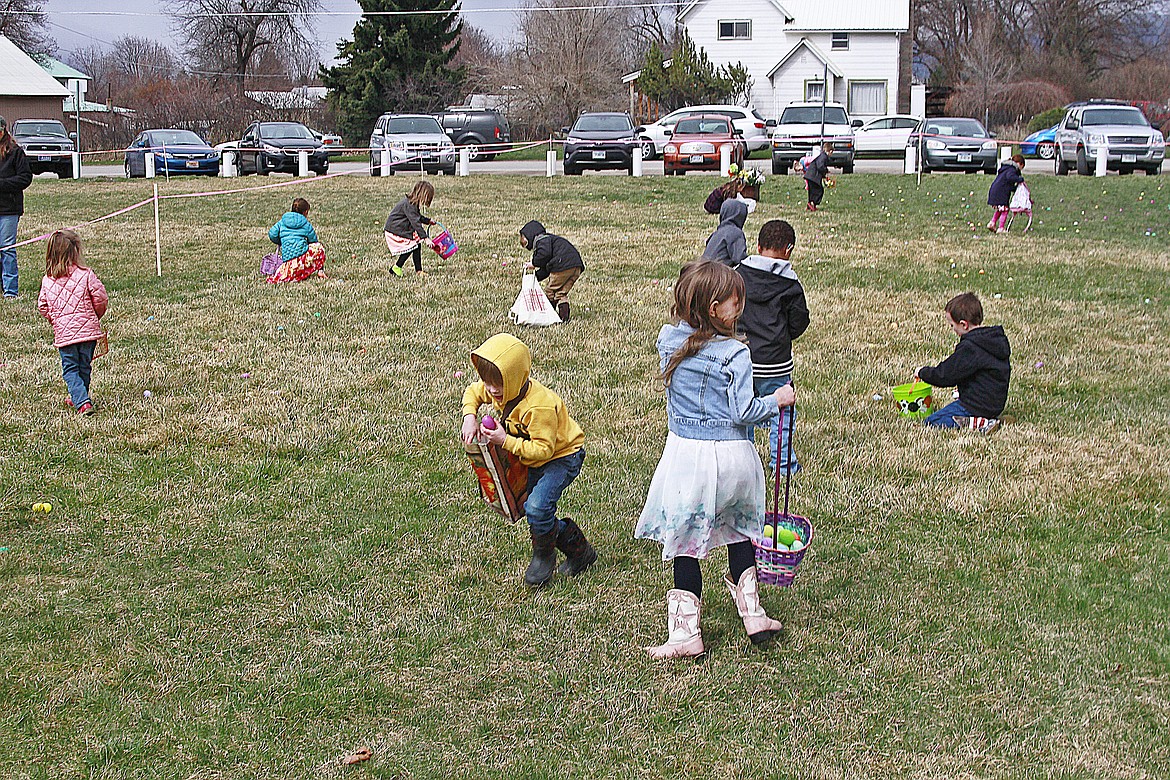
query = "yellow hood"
x=511 y=356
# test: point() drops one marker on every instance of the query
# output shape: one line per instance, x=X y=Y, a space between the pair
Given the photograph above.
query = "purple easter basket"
x=445 y=245
x=269 y=263
x=777 y=566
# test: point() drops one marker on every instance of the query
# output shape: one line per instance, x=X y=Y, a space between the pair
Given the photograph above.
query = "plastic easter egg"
x=768 y=531
x=489 y=422
x=796 y=546
x=785 y=536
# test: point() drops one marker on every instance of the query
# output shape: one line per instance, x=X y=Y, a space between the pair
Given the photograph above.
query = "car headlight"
x=670 y=149
x=212 y=155
x=989 y=144
x=934 y=143
x=398 y=144
x=271 y=149
x=1157 y=140
x=572 y=140
x=1096 y=139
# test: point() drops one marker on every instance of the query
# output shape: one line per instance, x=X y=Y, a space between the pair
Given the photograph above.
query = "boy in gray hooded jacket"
x=728 y=244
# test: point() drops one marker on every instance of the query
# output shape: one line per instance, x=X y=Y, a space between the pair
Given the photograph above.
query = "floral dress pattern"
x=300 y=268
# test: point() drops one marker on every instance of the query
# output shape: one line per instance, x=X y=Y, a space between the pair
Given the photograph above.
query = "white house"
x=789 y=46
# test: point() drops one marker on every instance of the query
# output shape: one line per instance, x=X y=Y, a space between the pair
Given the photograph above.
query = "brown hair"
x=777 y=235
x=301 y=206
x=488 y=371
x=1018 y=159
x=62 y=253
x=700 y=285
x=966 y=306
x=6 y=139
x=422 y=193
x=732 y=188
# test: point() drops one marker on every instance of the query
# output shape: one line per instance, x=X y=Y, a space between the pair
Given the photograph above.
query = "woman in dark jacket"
x=15 y=176
x=1009 y=177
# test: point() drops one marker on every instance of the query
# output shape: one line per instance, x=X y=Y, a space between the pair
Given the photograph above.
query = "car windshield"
x=702 y=126
x=413 y=125
x=811 y=115
x=293 y=130
x=40 y=128
x=603 y=124
x=967 y=128
x=175 y=138
x=1115 y=116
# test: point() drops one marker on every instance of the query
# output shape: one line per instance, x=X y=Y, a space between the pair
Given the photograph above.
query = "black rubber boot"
x=544 y=559
x=579 y=554
x=563 y=311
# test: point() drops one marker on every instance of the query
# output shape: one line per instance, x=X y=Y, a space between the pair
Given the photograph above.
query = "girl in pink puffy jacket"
x=73 y=299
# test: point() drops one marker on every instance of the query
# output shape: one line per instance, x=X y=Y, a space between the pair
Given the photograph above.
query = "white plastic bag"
x=532 y=306
x=1021 y=199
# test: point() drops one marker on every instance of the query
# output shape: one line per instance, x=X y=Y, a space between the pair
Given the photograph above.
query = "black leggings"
x=417 y=253
x=741 y=556
x=816 y=191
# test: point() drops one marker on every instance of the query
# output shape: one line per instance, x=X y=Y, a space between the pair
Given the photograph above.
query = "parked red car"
x=696 y=141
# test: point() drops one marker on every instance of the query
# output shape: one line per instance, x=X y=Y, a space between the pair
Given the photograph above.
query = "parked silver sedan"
x=955 y=144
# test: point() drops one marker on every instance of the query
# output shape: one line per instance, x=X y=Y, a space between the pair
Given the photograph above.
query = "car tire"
x=1154 y=170
x=779 y=168
x=1061 y=165
x=1046 y=150
x=1082 y=162
x=129 y=172
x=648 y=150
x=990 y=171
x=449 y=171
x=572 y=170
x=847 y=167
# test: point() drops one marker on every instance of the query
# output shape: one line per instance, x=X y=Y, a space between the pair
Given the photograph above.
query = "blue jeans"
x=777 y=440
x=545 y=485
x=8 y=276
x=945 y=417
x=76 y=360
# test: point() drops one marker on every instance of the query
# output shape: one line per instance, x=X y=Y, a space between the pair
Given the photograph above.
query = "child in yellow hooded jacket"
x=535 y=426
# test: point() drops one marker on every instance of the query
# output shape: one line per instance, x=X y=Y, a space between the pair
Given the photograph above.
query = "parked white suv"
x=1121 y=129
x=747 y=121
x=803 y=125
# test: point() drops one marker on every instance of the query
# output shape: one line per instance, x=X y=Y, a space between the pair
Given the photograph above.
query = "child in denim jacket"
x=708 y=490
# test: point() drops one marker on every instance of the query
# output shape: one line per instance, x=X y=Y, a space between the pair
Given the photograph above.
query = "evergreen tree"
x=691 y=79
x=396 y=63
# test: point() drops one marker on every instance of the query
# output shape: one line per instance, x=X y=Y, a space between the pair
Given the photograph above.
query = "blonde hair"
x=700 y=285
x=422 y=193
x=62 y=253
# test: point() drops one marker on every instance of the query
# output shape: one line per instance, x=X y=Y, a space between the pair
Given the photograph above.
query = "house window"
x=814 y=90
x=840 y=41
x=735 y=29
x=867 y=98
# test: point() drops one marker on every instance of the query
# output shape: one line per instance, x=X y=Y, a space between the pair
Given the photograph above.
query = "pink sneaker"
x=85 y=409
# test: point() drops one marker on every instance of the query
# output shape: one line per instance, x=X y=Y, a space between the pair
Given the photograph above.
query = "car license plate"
x=696 y=159
x=598 y=154
x=1129 y=158
x=44 y=157
x=964 y=157
x=192 y=163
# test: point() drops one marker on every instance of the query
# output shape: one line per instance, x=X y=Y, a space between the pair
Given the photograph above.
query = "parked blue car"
x=176 y=152
x=1041 y=143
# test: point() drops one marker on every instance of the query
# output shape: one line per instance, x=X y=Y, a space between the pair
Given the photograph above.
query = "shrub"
x=1045 y=119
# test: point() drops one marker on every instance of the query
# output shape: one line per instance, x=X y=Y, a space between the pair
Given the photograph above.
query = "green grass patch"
x=280 y=556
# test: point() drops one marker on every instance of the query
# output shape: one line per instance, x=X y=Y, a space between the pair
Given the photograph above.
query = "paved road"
x=537 y=168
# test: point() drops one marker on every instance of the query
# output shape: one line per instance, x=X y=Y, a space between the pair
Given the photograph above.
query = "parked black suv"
x=477 y=127
x=47 y=144
x=601 y=141
x=274 y=146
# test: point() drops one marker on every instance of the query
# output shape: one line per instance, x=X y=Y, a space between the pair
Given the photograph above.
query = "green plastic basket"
x=914 y=399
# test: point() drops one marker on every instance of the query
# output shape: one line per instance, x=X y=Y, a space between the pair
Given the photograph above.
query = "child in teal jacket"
x=301 y=253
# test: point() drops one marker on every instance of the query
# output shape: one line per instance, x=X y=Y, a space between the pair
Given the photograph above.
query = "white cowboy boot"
x=682 y=621
x=760 y=628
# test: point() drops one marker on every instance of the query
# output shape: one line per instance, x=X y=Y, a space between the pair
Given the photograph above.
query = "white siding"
x=870 y=57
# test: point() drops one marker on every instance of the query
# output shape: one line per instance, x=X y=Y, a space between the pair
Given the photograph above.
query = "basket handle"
x=790 y=416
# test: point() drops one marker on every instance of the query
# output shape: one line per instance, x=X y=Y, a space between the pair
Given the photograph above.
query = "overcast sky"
x=74 y=31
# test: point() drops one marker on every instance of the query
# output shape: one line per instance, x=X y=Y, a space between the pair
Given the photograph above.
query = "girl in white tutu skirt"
x=708 y=490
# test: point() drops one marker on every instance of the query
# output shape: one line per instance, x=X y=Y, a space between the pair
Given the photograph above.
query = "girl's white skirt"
x=399 y=245
x=704 y=494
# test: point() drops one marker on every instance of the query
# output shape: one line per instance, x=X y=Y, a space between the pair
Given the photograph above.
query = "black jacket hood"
x=992 y=340
x=530 y=232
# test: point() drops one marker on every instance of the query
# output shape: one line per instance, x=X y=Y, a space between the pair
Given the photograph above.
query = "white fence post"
x=1102 y=160
x=1005 y=154
x=550 y=163
x=149 y=160
x=227 y=165
x=385 y=161
x=464 y=160
x=724 y=159
x=76 y=165
x=637 y=159
x=911 y=164
x=303 y=162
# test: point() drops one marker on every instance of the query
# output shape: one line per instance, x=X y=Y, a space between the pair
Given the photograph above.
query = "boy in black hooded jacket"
x=555 y=259
x=980 y=366
x=775 y=313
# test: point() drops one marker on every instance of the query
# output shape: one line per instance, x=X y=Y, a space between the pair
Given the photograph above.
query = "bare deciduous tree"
x=24 y=23
x=229 y=35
